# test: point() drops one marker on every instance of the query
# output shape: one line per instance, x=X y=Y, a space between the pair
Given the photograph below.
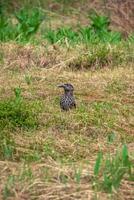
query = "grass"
x=15 y=113
x=114 y=169
x=101 y=55
x=86 y=153
x=27 y=23
x=97 y=31
x=18 y=113
x=64 y=148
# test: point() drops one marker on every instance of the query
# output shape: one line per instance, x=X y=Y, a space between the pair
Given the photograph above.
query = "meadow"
x=88 y=152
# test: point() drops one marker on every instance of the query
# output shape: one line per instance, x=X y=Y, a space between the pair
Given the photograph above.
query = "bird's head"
x=67 y=87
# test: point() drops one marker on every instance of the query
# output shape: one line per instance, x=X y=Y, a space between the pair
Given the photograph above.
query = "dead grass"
x=19 y=57
x=56 y=160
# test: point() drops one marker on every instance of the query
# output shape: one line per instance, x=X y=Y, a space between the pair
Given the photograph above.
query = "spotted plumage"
x=67 y=101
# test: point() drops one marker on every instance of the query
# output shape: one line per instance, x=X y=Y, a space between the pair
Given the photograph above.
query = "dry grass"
x=56 y=160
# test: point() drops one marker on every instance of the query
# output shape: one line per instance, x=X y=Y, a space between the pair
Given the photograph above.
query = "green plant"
x=28 y=79
x=111 y=137
x=61 y=35
x=115 y=87
x=7 y=145
x=86 y=35
x=131 y=38
x=51 y=36
x=7 y=191
x=26 y=173
x=17 y=112
x=98 y=164
x=63 y=178
x=46 y=172
x=33 y=156
x=77 y=175
x=113 y=170
x=29 y=22
x=1 y=57
x=100 y=55
x=7 y=29
x=100 y=26
x=97 y=32
x=99 y=22
x=50 y=150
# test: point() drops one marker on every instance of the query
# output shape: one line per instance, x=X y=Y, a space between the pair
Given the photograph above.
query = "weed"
x=26 y=173
x=116 y=86
x=111 y=137
x=50 y=150
x=46 y=174
x=98 y=164
x=97 y=32
x=113 y=170
x=7 y=30
x=29 y=22
x=77 y=175
x=131 y=38
x=87 y=36
x=34 y=156
x=102 y=55
x=16 y=112
x=1 y=57
x=7 y=146
x=100 y=26
x=7 y=191
x=99 y=114
x=63 y=178
x=103 y=117
x=28 y=79
x=61 y=35
x=99 y=23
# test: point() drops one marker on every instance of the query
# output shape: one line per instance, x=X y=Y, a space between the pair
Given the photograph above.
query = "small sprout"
x=28 y=79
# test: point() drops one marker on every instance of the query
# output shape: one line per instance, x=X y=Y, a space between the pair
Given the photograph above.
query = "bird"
x=67 y=101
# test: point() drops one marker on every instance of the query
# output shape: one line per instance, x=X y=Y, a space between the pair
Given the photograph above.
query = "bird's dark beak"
x=62 y=85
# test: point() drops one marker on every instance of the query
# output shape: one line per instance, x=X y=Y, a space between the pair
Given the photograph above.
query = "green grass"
x=47 y=153
x=28 y=22
x=102 y=55
x=7 y=30
x=16 y=112
x=98 y=31
x=7 y=146
x=114 y=169
x=64 y=147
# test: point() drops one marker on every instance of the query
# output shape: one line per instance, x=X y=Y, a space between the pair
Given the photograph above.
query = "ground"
x=56 y=159
x=65 y=145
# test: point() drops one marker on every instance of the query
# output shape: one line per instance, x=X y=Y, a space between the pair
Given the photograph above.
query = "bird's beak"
x=62 y=85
